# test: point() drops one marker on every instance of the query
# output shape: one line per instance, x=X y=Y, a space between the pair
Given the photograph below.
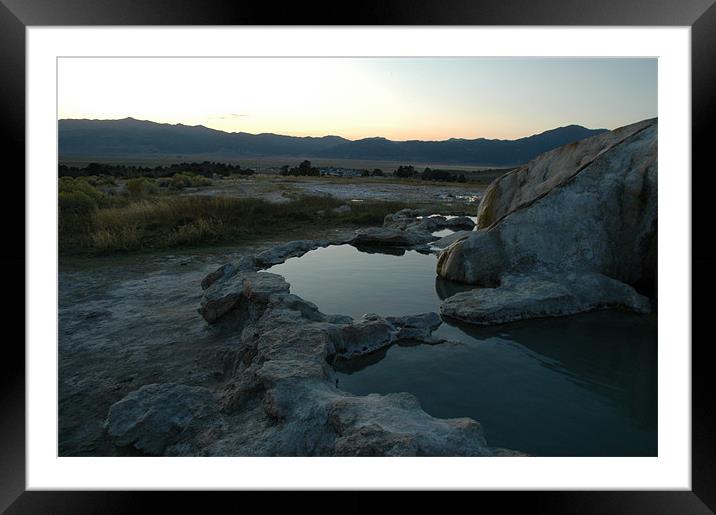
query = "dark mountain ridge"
x=131 y=136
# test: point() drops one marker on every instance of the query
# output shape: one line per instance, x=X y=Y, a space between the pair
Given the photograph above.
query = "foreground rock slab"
x=158 y=415
x=534 y=296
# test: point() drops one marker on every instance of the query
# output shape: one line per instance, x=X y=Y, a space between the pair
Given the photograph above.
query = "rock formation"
x=584 y=213
x=279 y=395
x=409 y=228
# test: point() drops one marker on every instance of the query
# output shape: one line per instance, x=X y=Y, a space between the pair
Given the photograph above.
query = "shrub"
x=65 y=184
x=76 y=203
x=70 y=185
x=142 y=186
x=188 y=180
x=100 y=180
x=405 y=172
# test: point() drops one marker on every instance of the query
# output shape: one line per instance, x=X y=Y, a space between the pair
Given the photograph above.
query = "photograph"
x=410 y=248
x=357 y=256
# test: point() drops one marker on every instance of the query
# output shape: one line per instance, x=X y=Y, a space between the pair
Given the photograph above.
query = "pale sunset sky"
x=397 y=98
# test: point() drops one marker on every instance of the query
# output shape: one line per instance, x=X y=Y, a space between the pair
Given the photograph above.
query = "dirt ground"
x=282 y=189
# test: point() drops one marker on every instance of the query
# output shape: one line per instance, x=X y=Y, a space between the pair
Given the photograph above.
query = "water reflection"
x=391 y=251
x=583 y=385
x=445 y=288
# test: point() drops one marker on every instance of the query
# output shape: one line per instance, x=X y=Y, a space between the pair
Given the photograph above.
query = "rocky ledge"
x=278 y=395
x=536 y=296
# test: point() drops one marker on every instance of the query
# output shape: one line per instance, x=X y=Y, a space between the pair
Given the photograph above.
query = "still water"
x=583 y=385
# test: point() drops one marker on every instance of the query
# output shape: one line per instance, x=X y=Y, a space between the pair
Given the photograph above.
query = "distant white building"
x=340 y=172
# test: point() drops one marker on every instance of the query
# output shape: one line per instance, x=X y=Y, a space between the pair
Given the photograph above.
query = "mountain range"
x=131 y=136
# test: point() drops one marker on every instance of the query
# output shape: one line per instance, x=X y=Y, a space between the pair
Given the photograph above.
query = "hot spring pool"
x=582 y=385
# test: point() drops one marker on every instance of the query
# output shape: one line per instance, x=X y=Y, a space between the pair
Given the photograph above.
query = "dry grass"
x=173 y=221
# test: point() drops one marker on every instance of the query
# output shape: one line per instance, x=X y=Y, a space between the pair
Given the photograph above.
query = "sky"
x=395 y=98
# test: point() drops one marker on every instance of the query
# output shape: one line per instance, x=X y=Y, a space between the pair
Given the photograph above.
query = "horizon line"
x=335 y=135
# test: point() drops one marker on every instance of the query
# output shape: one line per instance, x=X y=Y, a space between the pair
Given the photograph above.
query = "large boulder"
x=589 y=207
x=448 y=240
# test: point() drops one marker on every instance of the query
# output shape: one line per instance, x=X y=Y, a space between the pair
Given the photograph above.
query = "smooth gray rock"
x=390 y=236
x=408 y=219
x=281 y=253
x=459 y=223
x=535 y=296
x=428 y=224
x=245 y=264
x=364 y=337
x=339 y=319
x=373 y=332
x=586 y=208
x=159 y=415
x=415 y=327
x=590 y=206
x=395 y=425
x=404 y=215
x=448 y=240
x=224 y=271
x=479 y=259
x=250 y=289
x=293 y=302
x=522 y=186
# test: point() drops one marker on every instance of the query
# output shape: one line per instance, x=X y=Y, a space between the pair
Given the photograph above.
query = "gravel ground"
x=281 y=189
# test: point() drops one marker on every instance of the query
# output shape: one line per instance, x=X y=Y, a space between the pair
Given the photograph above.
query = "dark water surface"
x=583 y=385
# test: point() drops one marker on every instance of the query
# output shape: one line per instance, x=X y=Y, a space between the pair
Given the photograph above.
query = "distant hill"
x=130 y=136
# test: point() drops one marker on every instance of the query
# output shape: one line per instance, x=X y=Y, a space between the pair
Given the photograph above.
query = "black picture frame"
x=16 y=15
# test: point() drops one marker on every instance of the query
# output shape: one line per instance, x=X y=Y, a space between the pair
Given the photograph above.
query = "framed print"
x=416 y=252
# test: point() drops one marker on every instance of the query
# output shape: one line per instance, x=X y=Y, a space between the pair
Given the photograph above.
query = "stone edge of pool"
x=279 y=382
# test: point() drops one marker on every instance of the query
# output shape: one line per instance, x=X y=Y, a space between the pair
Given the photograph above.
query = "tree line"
x=409 y=172
x=304 y=170
x=206 y=169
